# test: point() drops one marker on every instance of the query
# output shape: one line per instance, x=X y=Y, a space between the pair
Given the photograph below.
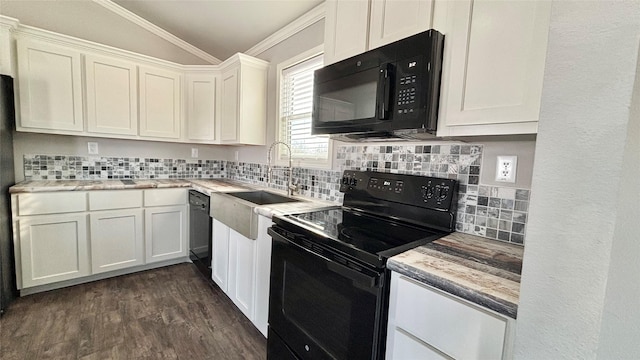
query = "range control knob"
x=353 y=182
x=443 y=192
x=427 y=192
x=345 y=180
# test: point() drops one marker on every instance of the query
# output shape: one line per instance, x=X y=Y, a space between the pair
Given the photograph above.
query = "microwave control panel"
x=409 y=76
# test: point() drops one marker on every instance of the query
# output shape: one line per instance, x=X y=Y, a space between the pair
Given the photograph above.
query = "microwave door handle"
x=384 y=91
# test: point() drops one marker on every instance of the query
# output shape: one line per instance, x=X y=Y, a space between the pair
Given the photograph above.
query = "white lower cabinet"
x=62 y=236
x=427 y=323
x=220 y=254
x=241 y=267
x=53 y=248
x=117 y=240
x=240 y=289
x=165 y=233
x=263 y=275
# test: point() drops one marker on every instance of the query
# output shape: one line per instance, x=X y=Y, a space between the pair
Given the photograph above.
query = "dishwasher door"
x=200 y=232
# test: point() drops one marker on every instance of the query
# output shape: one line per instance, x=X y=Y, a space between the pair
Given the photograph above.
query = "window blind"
x=296 y=100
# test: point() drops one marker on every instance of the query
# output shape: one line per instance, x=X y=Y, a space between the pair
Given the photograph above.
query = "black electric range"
x=329 y=286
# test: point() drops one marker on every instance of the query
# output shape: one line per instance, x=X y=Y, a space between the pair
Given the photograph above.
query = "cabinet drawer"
x=406 y=347
x=449 y=325
x=110 y=199
x=51 y=203
x=165 y=197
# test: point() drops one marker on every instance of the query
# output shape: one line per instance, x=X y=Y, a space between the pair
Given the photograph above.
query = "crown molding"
x=309 y=18
x=9 y=22
x=156 y=30
x=34 y=33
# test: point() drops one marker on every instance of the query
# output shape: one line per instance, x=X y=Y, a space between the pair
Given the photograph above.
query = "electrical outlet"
x=194 y=153
x=506 y=168
x=92 y=148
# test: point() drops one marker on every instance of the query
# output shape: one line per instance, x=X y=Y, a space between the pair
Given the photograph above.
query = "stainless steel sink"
x=261 y=197
x=236 y=209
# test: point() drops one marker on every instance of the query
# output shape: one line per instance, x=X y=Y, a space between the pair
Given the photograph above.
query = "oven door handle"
x=369 y=281
x=353 y=275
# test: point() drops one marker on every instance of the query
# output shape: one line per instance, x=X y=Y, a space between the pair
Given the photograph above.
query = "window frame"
x=281 y=156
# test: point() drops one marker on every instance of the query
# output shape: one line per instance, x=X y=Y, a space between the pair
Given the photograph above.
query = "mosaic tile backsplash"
x=61 y=167
x=490 y=211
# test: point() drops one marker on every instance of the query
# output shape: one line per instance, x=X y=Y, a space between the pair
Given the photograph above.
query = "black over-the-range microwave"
x=391 y=91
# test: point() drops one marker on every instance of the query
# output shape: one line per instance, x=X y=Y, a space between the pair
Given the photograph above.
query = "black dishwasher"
x=200 y=232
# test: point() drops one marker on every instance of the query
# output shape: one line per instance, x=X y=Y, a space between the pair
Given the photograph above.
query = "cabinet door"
x=346 y=29
x=448 y=325
x=263 y=272
x=201 y=99
x=53 y=248
x=241 y=291
x=165 y=233
x=117 y=240
x=50 y=87
x=220 y=254
x=159 y=103
x=230 y=105
x=392 y=20
x=112 y=99
x=492 y=70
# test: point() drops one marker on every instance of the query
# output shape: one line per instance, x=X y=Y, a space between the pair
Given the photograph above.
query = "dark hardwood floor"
x=167 y=313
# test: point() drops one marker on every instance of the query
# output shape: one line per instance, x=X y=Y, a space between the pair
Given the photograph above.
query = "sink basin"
x=236 y=209
x=260 y=197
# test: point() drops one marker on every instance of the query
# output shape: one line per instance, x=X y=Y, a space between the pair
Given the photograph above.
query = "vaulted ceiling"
x=220 y=27
x=184 y=31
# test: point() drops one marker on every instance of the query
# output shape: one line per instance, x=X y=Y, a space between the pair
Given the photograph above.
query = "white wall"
x=620 y=331
x=90 y=21
x=576 y=216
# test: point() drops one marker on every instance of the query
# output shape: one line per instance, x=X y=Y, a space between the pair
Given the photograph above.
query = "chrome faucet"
x=291 y=188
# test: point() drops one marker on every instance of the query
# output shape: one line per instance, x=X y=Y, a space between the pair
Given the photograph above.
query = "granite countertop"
x=205 y=186
x=31 y=186
x=483 y=271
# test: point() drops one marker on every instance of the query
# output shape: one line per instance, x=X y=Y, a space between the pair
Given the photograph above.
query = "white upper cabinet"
x=118 y=94
x=243 y=93
x=353 y=27
x=50 y=84
x=392 y=20
x=493 y=68
x=160 y=100
x=7 y=52
x=112 y=101
x=201 y=107
x=345 y=30
x=230 y=102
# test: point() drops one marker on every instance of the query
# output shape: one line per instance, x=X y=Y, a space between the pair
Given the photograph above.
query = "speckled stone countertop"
x=205 y=186
x=30 y=186
x=483 y=271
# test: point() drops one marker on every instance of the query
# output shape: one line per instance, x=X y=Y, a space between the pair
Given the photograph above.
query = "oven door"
x=320 y=308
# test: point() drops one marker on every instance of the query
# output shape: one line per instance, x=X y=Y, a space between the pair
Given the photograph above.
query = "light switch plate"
x=506 y=168
x=194 y=153
x=92 y=148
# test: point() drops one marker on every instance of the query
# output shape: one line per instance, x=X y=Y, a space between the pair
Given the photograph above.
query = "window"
x=296 y=100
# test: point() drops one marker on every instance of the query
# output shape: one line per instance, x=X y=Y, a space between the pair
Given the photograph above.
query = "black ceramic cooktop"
x=363 y=236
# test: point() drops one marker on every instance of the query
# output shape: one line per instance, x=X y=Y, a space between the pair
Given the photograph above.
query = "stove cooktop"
x=382 y=215
x=367 y=238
